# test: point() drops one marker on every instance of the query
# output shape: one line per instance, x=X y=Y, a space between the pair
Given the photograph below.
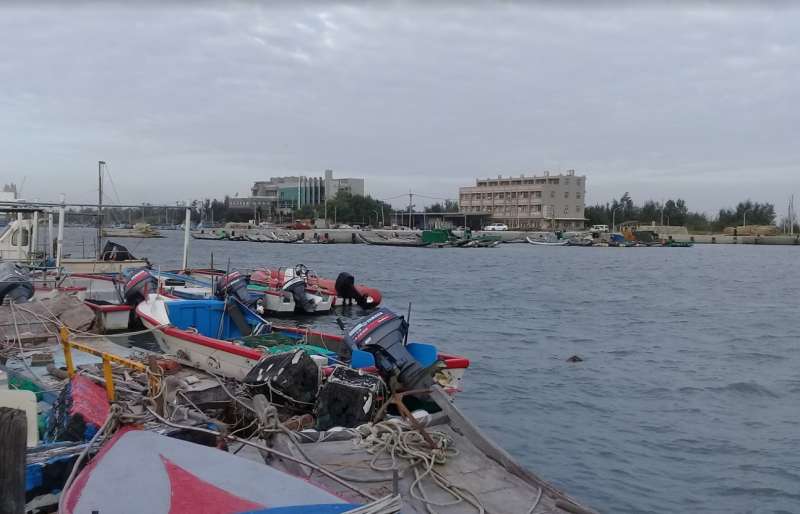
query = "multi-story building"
x=547 y=202
x=285 y=194
x=9 y=193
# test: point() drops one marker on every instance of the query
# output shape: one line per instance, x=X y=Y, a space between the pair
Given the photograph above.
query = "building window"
x=566 y=194
x=578 y=196
x=566 y=181
x=577 y=208
x=566 y=211
x=552 y=194
x=537 y=194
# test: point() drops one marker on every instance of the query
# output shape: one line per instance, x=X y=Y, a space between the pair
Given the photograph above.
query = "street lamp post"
x=613 y=218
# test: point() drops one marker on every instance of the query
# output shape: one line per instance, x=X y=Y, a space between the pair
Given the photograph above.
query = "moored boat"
x=181 y=477
x=545 y=242
x=284 y=290
x=226 y=338
x=394 y=240
x=339 y=291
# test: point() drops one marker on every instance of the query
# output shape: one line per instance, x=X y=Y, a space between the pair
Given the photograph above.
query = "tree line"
x=677 y=213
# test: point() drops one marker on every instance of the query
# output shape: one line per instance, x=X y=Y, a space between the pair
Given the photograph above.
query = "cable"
x=19 y=340
x=64 y=491
x=536 y=502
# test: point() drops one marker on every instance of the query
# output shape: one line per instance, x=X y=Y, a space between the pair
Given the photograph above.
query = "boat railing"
x=108 y=358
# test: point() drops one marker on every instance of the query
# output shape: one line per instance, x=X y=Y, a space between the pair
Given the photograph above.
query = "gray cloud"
x=186 y=101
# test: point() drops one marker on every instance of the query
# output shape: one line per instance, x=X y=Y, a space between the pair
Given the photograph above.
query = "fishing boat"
x=678 y=244
x=376 y=239
x=227 y=338
x=294 y=295
x=24 y=241
x=285 y=237
x=543 y=242
x=209 y=235
x=181 y=477
x=189 y=460
x=274 y=281
x=258 y=238
x=281 y=290
x=139 y=230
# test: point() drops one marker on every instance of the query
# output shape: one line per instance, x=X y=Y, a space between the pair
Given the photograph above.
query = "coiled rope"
x=397 y=442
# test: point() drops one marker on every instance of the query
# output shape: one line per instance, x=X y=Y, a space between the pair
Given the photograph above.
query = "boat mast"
x=100 y=165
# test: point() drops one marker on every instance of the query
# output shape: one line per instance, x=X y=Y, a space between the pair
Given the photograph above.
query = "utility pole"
x=410 y=201
x=100 y=165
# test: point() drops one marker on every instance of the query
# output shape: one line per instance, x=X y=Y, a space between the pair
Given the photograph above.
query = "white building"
x=544 y=201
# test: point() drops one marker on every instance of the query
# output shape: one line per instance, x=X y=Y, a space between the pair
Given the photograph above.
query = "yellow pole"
x=67 y=351
x=109 y=378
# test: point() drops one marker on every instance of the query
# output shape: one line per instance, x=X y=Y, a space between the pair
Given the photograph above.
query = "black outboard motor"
x=15 y=283
x=139 y=286
x=234 y=284
x=115 y=252
x=346 y=290
x=383 y=334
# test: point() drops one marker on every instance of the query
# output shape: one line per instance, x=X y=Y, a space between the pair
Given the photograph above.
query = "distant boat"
x=143 y=230
x=544 y=242
x=380 y=240
x=202 y=234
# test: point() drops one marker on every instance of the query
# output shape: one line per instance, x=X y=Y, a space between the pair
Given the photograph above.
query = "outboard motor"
x=383 y=335
x=139 y=286
x=234 y=284
x=115 y=252
x=346 y=290
x=15 y=283
x=296 y=286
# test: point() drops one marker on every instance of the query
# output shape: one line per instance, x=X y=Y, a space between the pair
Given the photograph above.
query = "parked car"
x=496 y=226
x=299 y=225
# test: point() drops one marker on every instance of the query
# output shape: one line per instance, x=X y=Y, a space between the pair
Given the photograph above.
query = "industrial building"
x=282 y=195
x=539 y=202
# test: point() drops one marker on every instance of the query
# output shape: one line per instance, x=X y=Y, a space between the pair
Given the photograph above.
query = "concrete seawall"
x=742 y=240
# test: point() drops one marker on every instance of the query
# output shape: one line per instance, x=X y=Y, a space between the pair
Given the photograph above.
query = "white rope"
x=386 y=505
x=115 y=410
x=396 y=441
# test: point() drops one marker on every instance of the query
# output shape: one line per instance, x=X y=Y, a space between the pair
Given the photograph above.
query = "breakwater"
x=512 y=236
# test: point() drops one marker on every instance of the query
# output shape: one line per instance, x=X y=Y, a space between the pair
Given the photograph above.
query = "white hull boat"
x=202 y=333
x=543 y=242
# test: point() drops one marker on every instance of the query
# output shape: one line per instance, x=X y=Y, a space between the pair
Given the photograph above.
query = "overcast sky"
x=188 y=102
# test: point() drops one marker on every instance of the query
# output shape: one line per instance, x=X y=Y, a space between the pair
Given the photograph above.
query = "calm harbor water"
x=688 y=399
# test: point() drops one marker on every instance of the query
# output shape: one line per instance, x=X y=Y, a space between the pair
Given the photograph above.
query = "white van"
x=599 y=228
